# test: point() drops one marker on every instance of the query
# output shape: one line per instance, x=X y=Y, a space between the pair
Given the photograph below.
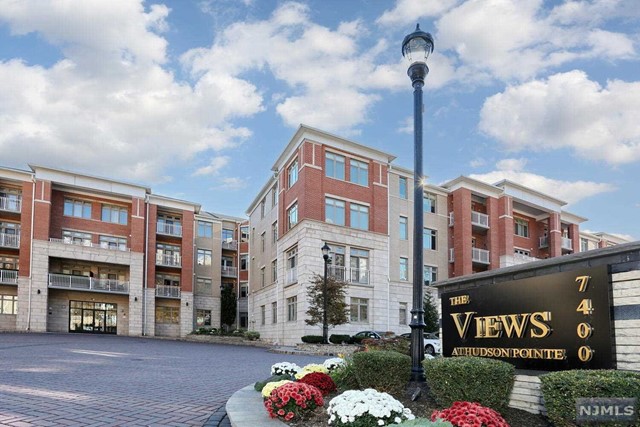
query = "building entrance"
x=93 y=317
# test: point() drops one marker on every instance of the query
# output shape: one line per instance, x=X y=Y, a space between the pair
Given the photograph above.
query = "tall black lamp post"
x=416 y=47
x=325 y=326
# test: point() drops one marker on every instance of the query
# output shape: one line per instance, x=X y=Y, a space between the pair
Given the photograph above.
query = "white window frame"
x=431 y=236
x=431 y=207
x=358 y=214
x=403 y=194
x=292 y=215
x=332 y=208
x=292 y=309
x=403 y=228
x=292 y=173
x=521 y=227
x=404 y=268
x=359 y=306
x=359 y=172
x=338 y=165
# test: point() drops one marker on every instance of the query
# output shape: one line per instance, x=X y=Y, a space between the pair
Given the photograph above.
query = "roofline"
x=266 y=187
x=530 y=190
x=65 y=171
x=302 y=129
x=461 y=179
x=196 y=206
x=18 y=172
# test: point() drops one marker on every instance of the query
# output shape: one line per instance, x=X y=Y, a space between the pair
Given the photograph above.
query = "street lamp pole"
x=416 y=47
x=325 y=325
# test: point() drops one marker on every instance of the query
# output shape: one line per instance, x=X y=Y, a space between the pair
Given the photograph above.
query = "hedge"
x=386 y=371
x=472 y=379
x=312 y=339
x=561 y=389
x=344 y=376
x=339 y=339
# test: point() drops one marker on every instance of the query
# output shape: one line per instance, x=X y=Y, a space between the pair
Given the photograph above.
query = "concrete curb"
x=245 y=409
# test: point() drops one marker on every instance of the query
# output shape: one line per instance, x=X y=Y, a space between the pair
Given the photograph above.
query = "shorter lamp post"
x=325 y=326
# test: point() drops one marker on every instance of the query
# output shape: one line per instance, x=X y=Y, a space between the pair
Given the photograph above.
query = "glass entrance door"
x=93 y=317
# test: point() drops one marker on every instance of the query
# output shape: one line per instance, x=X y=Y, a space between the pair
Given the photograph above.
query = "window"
x=521 y=252
x=205 y=229
x=429 y=203
x=244 y=319
x=262 y=239
x=244 y=290
x=404 y=228
x=403 y=188
x=203 y=318
x=359 y=172
x=359 y=311
x=8 y=304
x=115 y=214
x=168 y=315
x=112 y=242
x=292 y=309
x=292 y=171
x=274 y=312
x=292 y=255
x=204 y=286
x=429 y=274
x=404 y=268
x=204 y=257
x=77 y=208
x=167 y=279
x=9 y=263
x=334 y=211
x=263 y=204
x=274 y=195
x=359 y=216
x=76 y=237
x=263 y=314
x=402 y=313
x=227 y=235
x=337 y=267
x=359 y=263
x=429 y=237
x=334 y=166
x=292 y=215
x=167 y=254
x=521 y=227
x=274 y=270
x=244 y=233
x=262 y=277
x=244 y=262
x=584 y=244
x=274 y=233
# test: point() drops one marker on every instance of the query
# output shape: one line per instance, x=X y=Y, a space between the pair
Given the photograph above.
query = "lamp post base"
x=416 y=390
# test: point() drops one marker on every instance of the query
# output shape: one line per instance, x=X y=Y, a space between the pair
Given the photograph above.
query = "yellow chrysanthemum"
x=269 y=387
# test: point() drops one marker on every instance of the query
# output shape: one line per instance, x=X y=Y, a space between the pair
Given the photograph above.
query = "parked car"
x=369 y=334
x=431 y=342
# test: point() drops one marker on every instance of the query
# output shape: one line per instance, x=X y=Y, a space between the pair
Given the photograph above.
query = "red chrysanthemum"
x=293 y=400
x=321 y=381
x=467 y=414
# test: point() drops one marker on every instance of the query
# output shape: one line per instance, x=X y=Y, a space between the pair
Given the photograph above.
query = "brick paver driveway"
x=89 y=380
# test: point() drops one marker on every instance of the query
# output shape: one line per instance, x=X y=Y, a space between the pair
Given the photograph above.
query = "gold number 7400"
x=584 y=282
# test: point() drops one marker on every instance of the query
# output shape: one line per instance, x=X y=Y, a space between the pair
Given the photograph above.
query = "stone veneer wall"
x=626 y=313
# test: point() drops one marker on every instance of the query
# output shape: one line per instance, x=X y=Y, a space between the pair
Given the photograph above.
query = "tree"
x=337 y=308
x=228 y=306
x=430 y=312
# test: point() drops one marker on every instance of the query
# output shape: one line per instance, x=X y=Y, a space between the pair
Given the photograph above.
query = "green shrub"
x=561 y=389
x=237 y=333
x=312 y=339
x=425 y=422
x=252 y=335
x=259 y=385
x=356 y=340
x=398 y=345
x=345 y=376
x=471 y=379
x=339 y=339
x=386 y=371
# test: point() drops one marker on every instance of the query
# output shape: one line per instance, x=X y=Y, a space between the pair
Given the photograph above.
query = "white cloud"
x=408 y=11
x=476 y=163
x=568 y=111
x=234 y=183
x=214 y=166
x=110 y=101
x=322 y=67
x=518 y=39
x=406 y=126
x=511 y=164
x=568 y=191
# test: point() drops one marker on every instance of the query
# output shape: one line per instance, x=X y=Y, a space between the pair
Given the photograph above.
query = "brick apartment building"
x=107 y=256
x=326 y=188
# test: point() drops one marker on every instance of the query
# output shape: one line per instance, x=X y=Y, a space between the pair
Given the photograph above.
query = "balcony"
x=479 y=220
x=567 y=244
x=9 y=240
x=349 y=275
x=165 y=291
x=89 y=244
x=337 y=272
x=481 y=256
x=67 y=281
x=228 y=271
x=11 y=204
x=452 y=255
x=9 y=277
x=292 y=276
x=523 y=259
x=169 y=229
x=544 y=242
x=230 y=245
x=169 y=260
x=451 y=220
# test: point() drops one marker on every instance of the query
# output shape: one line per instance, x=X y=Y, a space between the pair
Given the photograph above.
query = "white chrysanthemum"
x=353 y=404
x=283 y=368
x=333 y=363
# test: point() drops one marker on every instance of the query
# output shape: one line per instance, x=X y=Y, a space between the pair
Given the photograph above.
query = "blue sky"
x=197 y=98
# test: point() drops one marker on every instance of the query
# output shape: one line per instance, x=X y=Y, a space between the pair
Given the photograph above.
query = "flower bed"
x=292 y=400
x=363 y=408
